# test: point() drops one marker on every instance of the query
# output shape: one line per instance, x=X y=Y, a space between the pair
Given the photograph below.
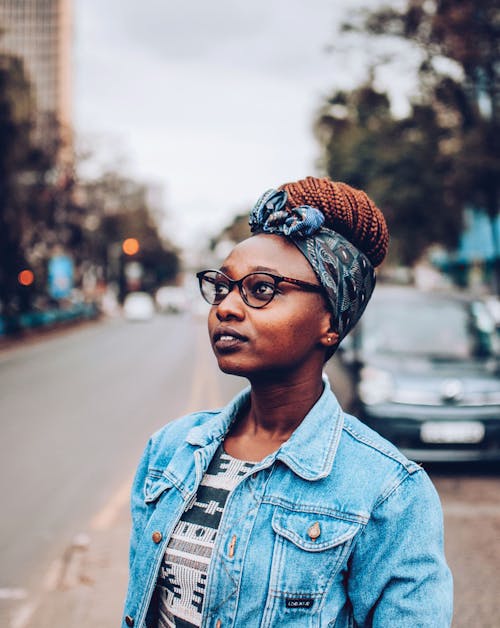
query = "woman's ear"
x=329 y=337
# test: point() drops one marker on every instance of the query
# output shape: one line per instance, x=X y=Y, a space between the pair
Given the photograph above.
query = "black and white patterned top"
x=180 y=587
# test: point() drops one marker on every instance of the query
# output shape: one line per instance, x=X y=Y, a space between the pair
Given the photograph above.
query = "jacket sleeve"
x=398 y=572
x=138 y=507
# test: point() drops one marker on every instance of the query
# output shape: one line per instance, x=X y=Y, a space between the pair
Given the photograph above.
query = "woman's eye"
x=221 y=288
x=263 y=289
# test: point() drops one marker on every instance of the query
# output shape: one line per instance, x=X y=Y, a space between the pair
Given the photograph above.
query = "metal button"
x=157 y=536
x=231 y=546
x=314 y=531
x=129 y=620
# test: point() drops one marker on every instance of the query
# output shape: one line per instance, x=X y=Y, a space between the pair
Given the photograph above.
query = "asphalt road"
x=76 y=410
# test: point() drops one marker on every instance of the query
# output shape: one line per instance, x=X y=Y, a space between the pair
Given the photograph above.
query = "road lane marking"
x=12 y=593
x=22 y=617
x=53 y=575
x=107 y=516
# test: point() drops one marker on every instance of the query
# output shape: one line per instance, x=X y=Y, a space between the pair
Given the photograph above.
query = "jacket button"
x=314 y=531
x=231 y=546
x=129 y=620
x=157 y=536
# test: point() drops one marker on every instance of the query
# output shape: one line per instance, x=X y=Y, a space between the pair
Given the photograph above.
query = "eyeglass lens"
x=256 y=289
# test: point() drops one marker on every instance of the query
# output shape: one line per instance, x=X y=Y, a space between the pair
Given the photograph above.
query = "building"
x=40 y=33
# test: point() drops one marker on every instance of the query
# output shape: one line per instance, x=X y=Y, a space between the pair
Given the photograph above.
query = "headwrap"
x=345 y=272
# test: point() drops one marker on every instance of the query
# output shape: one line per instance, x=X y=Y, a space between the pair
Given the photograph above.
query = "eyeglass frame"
x=277 y=279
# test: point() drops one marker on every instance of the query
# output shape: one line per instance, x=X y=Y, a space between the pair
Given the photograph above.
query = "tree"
x=36 y=211
x=396 y=160
x=458 y=84
x=16 y=154
x=117 y=208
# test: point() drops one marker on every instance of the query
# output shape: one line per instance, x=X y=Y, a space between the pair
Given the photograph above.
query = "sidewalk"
x=88 y=586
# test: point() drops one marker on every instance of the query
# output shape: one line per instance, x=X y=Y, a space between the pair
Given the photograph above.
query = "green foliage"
x=43 y=207
x=398 y=162
x=16 y=161
x=424 y=168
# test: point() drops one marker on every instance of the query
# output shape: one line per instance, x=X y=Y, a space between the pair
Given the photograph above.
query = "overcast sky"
x=212 y=100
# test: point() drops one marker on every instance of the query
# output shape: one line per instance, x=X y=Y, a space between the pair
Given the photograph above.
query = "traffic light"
x=26 y=277
x=130 y=246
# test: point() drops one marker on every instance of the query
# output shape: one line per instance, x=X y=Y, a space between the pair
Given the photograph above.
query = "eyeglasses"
x=256 y=289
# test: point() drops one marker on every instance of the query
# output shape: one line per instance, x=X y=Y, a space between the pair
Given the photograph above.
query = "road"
x=76 y=410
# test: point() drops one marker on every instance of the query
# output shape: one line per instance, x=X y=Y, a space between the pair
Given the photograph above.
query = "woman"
x=280 y=509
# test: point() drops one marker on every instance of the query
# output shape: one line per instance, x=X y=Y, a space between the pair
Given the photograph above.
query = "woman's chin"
x=232 y=368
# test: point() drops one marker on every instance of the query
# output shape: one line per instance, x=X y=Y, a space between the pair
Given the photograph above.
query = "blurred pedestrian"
x=280 y=509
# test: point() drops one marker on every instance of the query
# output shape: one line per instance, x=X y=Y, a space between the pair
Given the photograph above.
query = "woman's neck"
x=277 y=409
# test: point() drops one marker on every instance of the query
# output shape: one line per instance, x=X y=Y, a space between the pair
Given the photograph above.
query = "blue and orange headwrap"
x=346 y=273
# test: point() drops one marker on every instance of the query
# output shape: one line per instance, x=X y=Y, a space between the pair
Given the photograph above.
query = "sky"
x=213 y=101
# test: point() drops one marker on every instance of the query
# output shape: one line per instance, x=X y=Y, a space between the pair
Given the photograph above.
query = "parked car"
x=171 y=299
x=138 y=306
x=426 y=375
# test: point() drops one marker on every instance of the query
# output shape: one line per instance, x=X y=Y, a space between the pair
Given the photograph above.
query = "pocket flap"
x=156 y=483
x=311 y=531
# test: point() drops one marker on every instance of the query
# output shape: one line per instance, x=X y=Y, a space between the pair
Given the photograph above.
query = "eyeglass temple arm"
x=299 y=282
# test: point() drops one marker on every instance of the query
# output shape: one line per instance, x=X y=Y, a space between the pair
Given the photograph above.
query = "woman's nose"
x=232 y=306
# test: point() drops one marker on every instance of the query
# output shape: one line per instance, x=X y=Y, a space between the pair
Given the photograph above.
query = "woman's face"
x=287 y=334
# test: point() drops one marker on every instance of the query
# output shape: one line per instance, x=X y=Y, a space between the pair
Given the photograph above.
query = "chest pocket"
x=306 y=582
x=310 y=548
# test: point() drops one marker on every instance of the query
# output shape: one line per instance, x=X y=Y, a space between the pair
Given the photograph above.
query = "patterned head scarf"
x=345 y=272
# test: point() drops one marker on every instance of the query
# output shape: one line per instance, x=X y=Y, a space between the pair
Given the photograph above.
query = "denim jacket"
x=335 y=528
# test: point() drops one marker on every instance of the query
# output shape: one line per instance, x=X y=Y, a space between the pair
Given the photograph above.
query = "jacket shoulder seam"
x=410 y=466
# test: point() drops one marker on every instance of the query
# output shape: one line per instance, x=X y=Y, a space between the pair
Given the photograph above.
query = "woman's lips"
x=228 y=339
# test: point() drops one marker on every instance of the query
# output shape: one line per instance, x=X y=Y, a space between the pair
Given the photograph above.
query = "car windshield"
x=437 y=329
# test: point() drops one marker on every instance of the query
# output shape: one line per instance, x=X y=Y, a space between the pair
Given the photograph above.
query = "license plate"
x=452 y=432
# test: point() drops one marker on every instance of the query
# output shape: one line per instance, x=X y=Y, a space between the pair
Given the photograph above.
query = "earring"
x=329 y=339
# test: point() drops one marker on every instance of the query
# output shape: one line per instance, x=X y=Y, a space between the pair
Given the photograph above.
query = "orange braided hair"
x=347 y=211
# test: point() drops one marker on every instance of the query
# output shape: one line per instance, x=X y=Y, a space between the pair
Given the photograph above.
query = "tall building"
x=40 y=33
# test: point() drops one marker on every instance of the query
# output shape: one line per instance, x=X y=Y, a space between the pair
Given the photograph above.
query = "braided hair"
x=347 y=211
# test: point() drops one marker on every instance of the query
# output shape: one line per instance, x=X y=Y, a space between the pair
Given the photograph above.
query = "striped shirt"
x=180 y=586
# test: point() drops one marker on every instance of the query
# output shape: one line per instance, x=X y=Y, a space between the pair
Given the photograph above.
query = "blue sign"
x=61 y=274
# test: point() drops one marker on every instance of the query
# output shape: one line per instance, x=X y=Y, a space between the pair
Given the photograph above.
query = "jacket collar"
x=310 y=450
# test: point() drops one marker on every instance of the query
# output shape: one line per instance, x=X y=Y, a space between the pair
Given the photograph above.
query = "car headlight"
x=375 y=386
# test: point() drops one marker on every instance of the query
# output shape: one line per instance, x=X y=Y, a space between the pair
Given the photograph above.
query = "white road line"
x=11 y=593
x=53 y=575
x=22 y=617
x=107 y=516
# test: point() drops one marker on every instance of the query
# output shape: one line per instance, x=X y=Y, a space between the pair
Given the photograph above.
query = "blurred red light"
x=26 y=277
